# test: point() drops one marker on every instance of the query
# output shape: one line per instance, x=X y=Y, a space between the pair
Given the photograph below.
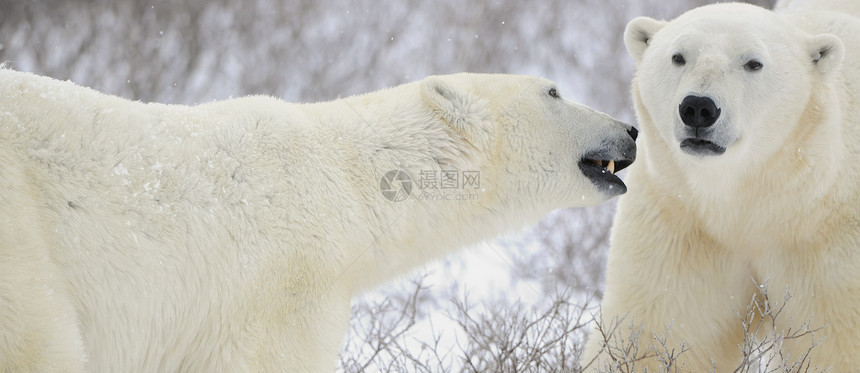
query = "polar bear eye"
x=753 y=65
x=553 y=93
x=678 y=59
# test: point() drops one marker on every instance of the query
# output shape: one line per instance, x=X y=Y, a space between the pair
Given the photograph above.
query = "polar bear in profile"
x=230 y=236
x=749 y=172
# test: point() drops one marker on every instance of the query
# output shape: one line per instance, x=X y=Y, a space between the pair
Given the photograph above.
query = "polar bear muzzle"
x=699 y=115
x=600 y=166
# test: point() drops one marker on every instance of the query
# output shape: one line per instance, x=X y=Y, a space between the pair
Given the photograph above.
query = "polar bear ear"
x=466 y=113
x=827 y=53
x=638 y=33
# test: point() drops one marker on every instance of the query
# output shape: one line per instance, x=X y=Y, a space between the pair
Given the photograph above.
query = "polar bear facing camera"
x=230 y=236
x=748 y=173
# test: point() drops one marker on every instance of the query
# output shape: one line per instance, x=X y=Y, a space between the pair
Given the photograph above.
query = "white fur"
x=230 y=236
x=781 y=205
x=843 y=6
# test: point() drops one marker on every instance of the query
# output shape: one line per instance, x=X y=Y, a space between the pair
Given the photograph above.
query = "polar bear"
x=230 y=236
x=747 y=174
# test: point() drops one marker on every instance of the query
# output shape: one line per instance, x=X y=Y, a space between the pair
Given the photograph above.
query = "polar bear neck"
x=433 y=220
x=374 y=238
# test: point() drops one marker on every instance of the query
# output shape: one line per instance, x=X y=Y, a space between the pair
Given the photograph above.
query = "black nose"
x=633 y=132
x=698 y=111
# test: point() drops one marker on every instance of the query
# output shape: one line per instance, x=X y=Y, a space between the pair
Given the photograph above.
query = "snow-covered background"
x=194 y=51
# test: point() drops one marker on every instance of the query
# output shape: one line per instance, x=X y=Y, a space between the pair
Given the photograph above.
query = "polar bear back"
x=142 y=194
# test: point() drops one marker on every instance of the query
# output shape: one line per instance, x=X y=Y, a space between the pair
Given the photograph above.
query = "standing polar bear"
x=748 y=173
x=230 y=236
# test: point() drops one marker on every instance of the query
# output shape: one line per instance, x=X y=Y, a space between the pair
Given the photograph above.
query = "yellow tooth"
x=611 y=167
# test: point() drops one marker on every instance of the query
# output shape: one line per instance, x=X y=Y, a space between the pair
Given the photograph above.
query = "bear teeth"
x=608 y=165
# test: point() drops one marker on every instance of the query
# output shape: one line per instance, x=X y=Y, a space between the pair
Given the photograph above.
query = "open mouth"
x=700 y=147
x=601 y=170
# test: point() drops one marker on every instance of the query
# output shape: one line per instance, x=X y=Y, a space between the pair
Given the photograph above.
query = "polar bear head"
x=534 y=148
x=725 y=84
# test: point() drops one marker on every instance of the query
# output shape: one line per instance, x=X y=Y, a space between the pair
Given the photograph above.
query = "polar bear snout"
x=633 y=132
x=698 y=111
x=699 y=136
x=600 y=165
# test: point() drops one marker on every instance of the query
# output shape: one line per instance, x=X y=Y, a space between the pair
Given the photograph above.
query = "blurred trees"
x=189 y=51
